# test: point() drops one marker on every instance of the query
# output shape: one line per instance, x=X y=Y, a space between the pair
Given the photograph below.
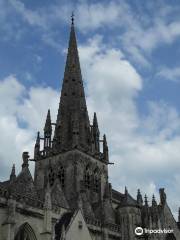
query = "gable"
x=77 y=229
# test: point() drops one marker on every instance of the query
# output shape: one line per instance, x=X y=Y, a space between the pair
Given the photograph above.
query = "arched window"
x=96 y=182
x=51 y=177
x=25 y=232
x=87 y=178
x=61 y=175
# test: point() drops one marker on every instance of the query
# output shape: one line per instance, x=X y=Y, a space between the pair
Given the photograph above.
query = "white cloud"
x=172 y=74
x=23 y=112
x=145 y=149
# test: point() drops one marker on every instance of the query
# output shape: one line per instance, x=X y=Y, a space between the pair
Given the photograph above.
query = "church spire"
x=72 y=125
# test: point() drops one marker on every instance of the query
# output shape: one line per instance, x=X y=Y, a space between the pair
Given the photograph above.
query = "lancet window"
x=87 y=178
x=61 y=175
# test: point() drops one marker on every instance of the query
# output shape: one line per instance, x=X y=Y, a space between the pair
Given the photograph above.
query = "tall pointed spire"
x=72 y=125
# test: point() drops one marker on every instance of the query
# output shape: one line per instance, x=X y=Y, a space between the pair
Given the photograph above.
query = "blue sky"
x=129 y=53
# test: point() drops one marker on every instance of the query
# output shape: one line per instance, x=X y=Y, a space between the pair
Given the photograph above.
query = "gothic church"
x=70 y=196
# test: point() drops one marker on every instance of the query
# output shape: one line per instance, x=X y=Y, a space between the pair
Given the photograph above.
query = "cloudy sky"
x=129 y=53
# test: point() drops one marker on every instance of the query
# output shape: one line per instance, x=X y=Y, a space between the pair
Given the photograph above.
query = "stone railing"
x=113 y=227
x=92 y=221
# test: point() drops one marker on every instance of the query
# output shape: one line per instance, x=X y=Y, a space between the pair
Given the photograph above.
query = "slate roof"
x=63 y=221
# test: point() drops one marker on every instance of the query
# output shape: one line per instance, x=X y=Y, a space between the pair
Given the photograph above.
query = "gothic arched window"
x=96 y=182
x=25 y=232
x=87 y=178
x=61 y=175
x=51 y=177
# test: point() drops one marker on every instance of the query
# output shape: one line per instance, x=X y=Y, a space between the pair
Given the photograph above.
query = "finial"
x=72 y=18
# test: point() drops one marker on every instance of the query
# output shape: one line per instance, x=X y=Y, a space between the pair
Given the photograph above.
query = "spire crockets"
x=72 y=125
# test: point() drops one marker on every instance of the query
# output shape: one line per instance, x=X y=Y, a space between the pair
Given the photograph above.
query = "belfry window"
x=87 y=178
x=61 y=175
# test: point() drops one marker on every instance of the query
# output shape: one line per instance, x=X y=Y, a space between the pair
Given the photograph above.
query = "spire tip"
x=72 y=18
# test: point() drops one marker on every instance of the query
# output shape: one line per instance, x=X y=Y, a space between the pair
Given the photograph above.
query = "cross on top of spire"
x=72 y=18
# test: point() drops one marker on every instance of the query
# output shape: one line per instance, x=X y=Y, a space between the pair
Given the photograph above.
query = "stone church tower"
x=70 y=196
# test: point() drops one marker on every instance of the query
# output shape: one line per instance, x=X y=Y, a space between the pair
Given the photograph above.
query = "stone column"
x=47 y=226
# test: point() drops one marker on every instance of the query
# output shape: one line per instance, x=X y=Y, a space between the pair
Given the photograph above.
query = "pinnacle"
x=95 y=123
x=13 y=173
x=48 y=127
